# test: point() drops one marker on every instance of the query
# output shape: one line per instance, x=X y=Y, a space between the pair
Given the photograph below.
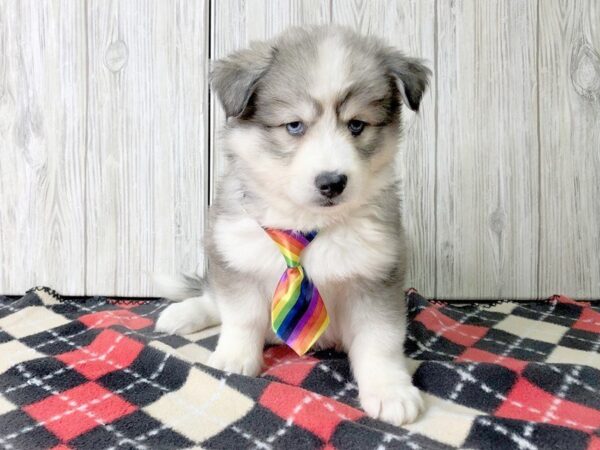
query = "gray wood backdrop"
x=109 y=138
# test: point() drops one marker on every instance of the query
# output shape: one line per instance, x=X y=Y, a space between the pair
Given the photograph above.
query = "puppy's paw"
x=397 y=403
x=237 y=361
x=180 y=318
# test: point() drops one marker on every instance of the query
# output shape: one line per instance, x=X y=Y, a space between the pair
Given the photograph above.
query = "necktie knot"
x=291 y=243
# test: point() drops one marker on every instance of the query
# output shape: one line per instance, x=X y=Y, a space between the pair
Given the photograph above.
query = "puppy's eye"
x=356 y=126
x=295 y=128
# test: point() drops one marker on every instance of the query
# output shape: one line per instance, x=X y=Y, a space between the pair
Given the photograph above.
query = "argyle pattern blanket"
x=90 y=373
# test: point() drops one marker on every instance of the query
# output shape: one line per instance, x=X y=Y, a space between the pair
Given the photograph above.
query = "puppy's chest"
x=335 y=255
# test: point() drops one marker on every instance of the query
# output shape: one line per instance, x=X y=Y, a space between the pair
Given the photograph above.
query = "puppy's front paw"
x=179 y=318
x=237 y=361
x=396 y=403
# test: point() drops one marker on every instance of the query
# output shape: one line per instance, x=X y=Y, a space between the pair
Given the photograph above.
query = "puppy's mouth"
x=329 y=202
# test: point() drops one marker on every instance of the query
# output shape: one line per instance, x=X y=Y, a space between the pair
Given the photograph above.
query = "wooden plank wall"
x=103 y=143
x=487 y=156
x=147 y=141
x=42 y=145
x=109 y=138
x=569 y=121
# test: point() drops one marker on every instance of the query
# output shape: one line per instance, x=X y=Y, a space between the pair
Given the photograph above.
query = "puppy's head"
x=314 y=115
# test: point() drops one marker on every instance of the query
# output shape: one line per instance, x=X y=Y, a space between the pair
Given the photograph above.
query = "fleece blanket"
x=90 y=373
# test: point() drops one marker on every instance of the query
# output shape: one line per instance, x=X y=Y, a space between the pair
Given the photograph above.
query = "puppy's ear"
x=412 y=74
x=235 y=77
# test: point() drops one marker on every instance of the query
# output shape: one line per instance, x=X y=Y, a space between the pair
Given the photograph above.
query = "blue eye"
x=295 y=128
x=356 y=127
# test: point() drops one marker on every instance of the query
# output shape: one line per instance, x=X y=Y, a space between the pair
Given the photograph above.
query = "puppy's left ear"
x=412 y=74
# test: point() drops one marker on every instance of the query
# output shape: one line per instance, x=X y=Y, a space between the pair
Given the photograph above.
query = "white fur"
x=188 y=316
x=358 y=246
x=326 y=83
x=171 y=287
x=242 y=336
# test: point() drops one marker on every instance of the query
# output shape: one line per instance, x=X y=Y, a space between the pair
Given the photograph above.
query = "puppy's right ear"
x=235 y=77
x=412 y=74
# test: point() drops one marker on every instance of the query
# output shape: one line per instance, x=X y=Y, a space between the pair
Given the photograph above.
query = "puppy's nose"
x=331 y=184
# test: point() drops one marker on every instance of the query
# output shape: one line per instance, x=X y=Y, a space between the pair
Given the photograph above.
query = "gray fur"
x=411 y=72
x=275 y=72
x=185 y=285
x=235 y=77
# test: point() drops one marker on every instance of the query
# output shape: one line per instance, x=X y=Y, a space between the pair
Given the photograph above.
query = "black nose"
x=331 y=184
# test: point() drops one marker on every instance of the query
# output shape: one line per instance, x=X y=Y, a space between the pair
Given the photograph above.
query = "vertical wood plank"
x=234 y=23
x=42 y=145
x=409 y=26
x=147 y=141
x=569 y=80
x=487 y=178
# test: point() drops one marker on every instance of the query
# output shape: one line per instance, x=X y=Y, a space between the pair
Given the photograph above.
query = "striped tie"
x=298 y=314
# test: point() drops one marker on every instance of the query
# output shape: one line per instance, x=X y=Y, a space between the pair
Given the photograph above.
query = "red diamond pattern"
x=452 y=330
x=284 y=364
x=104 y=319
x=588 y=321
x=528 y=402
x=110 y=351
x=320 y=415
x=75 y=411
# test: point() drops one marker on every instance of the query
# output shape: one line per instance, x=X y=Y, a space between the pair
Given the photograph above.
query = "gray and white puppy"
x=313 y=123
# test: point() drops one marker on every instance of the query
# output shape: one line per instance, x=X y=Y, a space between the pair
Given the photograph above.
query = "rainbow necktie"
x=298 y=314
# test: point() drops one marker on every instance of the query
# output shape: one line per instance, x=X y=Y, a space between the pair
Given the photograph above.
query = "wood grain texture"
x=105 y=132
x=147 y=129
x=234 y=23
x=569 y=85
x=409 y=26
x=42 y=145
x=487 y=156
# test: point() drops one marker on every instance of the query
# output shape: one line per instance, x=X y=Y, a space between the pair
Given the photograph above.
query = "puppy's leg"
x=374 y=338
x=245 y=318
x=191 y=315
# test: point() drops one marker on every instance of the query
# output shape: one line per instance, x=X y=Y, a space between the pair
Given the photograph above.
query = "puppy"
x=313 y=104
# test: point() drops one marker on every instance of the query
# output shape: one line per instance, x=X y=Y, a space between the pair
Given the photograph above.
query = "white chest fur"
x=357 y=247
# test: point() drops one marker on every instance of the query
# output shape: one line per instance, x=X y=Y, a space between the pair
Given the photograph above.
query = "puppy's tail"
x=179 y=287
